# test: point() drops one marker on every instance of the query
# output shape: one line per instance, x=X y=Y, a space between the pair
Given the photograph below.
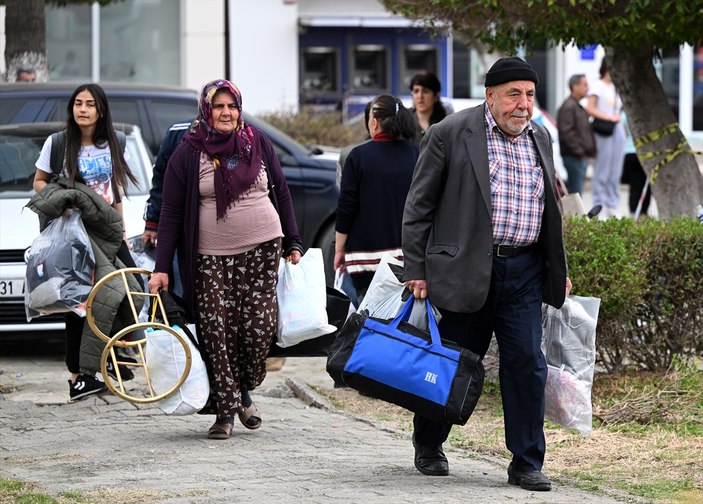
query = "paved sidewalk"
x=114 y=451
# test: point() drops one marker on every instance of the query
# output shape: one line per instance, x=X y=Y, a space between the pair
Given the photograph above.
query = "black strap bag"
x=603 y=127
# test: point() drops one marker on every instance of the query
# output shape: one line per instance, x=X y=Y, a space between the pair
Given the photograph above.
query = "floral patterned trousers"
x=237 y=319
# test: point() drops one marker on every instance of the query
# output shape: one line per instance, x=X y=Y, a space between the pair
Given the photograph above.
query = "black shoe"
x=125 y=372
x=430 y=461
x=84 y=386
x=529 y=480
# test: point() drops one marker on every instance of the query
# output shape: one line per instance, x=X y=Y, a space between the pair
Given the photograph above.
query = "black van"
x=310 y=172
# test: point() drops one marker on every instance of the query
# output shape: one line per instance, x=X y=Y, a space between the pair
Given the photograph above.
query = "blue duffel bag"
x=399 y=363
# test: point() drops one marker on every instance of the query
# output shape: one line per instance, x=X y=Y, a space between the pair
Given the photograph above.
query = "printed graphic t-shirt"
x=94 y=165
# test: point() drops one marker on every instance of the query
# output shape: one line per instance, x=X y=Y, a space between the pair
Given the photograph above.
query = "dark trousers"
x=634 y=174
x=513 y=310
x=75 y=323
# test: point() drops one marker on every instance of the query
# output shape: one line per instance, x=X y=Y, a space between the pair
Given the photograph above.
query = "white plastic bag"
x=302 y=300
x=384 y=296
x=60 y=268
x=569 y=345
x=165 y=362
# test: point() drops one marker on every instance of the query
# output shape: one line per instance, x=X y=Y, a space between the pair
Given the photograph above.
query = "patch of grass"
x=76 y=497
x=20 y=492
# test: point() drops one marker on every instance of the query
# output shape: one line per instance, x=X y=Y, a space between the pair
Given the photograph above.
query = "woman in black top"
x=375 y=183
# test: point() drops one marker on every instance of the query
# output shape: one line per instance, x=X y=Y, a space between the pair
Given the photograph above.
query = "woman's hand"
x=339 y=260
x=294 y=257
x=417 y=287
x=157 y=282
x=568 y=286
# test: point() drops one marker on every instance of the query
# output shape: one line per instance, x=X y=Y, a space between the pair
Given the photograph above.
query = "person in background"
x=482 y=239
x=227 y=208
x=92 y=153
x=427 y=106
x=604 y=103
x=171 y=140
x=576 y=141
x=26 y=73
x=344 y=152
x=634 y=175
x=375 y=182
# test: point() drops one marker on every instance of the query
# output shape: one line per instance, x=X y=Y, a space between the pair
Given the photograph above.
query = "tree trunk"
x=25 y=38
x=678 y=187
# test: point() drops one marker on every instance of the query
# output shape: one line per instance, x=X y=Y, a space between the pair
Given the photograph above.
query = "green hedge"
x=649 y=276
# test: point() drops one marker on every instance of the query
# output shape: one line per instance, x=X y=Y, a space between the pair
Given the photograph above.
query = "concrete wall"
x=202 y=42
x=264 y=54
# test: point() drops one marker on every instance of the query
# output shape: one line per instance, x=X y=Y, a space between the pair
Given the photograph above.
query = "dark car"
x=310 y=172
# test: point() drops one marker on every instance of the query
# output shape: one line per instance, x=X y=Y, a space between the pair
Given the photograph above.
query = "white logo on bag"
x=431 y=377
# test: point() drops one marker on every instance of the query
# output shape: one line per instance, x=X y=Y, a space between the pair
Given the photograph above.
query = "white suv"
x=20 y=145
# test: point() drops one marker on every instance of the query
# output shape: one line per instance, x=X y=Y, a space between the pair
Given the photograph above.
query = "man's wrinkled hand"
x=417 y=287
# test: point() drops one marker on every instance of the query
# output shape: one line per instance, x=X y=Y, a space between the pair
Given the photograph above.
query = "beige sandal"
x=220 y=431
x=250 y=417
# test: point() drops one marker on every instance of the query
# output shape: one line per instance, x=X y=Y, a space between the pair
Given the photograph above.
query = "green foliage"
x=649 y=277
x=506 y=26
x=310 y=127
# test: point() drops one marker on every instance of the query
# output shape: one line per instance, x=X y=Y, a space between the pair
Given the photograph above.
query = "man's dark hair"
x=575 y=80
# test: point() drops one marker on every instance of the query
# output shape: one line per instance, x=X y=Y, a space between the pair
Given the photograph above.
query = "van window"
x=168 y=112
x=18 y=156
x=125 y=111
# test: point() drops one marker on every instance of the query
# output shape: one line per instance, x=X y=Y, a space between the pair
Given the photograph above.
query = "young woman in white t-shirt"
x=604 y=103
x=93 y=156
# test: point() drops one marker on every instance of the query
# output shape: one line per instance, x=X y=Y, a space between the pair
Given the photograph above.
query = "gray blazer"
x=447 y=230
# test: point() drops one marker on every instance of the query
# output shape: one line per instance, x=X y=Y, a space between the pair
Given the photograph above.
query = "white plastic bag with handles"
x=302 y=300
x=384 y=297
x=569 y=345
x=165 y=360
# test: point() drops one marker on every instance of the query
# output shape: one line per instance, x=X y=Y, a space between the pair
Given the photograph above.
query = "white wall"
x=202 y=42
x=337 y=8
x=264 y=54
x=570 y=62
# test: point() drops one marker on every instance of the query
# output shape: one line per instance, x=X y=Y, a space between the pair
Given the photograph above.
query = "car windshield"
x=19 y=154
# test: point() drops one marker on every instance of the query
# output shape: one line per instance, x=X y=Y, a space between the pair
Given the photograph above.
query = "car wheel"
x=325 y=241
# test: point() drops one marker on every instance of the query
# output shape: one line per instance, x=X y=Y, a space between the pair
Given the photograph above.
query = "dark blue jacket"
x=173 y=138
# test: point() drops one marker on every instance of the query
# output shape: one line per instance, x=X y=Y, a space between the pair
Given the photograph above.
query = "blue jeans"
x=576 y=169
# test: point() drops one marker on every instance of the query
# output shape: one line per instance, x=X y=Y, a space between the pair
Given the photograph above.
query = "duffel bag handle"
x=404 y=315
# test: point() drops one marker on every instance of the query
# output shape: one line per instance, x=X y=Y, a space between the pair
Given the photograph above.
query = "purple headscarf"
x=236 y=155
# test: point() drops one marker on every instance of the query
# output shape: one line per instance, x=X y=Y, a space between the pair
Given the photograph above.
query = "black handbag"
x=603 y=127
x=399 y=363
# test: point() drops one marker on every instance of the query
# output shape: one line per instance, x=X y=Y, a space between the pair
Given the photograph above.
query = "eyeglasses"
x=221 y=106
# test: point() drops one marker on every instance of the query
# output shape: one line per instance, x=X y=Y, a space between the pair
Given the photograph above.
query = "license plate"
x=11 y=288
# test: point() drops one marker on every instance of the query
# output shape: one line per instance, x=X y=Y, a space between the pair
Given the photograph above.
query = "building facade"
x=333 y=54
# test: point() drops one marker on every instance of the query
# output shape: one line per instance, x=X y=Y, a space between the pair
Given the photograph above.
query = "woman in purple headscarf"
x=228 y=211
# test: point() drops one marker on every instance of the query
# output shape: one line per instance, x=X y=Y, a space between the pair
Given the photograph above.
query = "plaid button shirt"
x=517 y=185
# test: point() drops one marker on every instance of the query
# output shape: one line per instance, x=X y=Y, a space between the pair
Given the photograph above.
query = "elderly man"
x=482 y=237
x=26 y=74
x=576 y=141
